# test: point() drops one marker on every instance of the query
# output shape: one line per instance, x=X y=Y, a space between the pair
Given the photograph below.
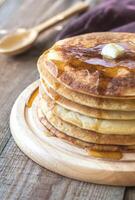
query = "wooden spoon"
x=22 y=39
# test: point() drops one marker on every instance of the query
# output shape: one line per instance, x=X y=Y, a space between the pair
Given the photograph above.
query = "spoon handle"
x=77 y=8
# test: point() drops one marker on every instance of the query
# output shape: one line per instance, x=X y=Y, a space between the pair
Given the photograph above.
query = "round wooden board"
x=61 y=157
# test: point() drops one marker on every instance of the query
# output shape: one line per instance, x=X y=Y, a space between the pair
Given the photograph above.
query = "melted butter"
x=16 y=40
x=32 y=97
x=105 y=154
x=112 y=51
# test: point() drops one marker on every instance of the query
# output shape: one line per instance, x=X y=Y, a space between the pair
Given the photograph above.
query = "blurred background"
x=16 y=14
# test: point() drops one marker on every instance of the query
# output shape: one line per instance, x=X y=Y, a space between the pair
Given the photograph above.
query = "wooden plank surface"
x=21 y=178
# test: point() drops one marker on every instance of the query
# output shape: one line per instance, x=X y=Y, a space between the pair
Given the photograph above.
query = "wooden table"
x=20 y=177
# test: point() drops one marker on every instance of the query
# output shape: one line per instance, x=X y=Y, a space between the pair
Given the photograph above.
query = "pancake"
x=93 y=102
x=98 y=125
x=87 y=98
x=87 y=135
x=78 y=64
x=54 y=132
x=48 y=92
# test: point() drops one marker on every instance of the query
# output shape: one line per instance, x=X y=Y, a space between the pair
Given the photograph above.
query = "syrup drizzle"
x=106 y=154
x=32 y=98
x=91 y=62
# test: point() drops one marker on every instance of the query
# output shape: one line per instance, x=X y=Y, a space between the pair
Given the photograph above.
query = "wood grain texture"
x=59 y=156
x=21 y=178
x=129 y=193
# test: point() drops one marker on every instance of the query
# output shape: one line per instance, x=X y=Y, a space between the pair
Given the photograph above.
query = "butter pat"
x=112 y=51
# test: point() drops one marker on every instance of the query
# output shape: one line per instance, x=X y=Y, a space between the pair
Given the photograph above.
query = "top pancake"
x=78 y=64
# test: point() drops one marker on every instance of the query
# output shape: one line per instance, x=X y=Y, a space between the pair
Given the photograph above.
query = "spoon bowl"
x=18 y=42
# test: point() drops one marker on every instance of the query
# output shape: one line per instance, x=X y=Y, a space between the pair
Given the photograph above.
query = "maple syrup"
x=105 y=154
x=84 y=58
x=32 y=98
x=90 y=61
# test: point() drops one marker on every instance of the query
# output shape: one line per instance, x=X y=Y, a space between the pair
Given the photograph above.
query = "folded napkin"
x=110 y=15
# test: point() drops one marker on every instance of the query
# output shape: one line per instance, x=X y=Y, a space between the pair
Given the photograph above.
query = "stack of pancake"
x=88 y=99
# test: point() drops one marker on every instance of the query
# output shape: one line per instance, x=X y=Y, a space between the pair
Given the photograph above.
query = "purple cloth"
x=110 y=15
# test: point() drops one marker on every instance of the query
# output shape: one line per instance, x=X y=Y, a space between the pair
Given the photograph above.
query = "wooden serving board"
x=59 y=156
